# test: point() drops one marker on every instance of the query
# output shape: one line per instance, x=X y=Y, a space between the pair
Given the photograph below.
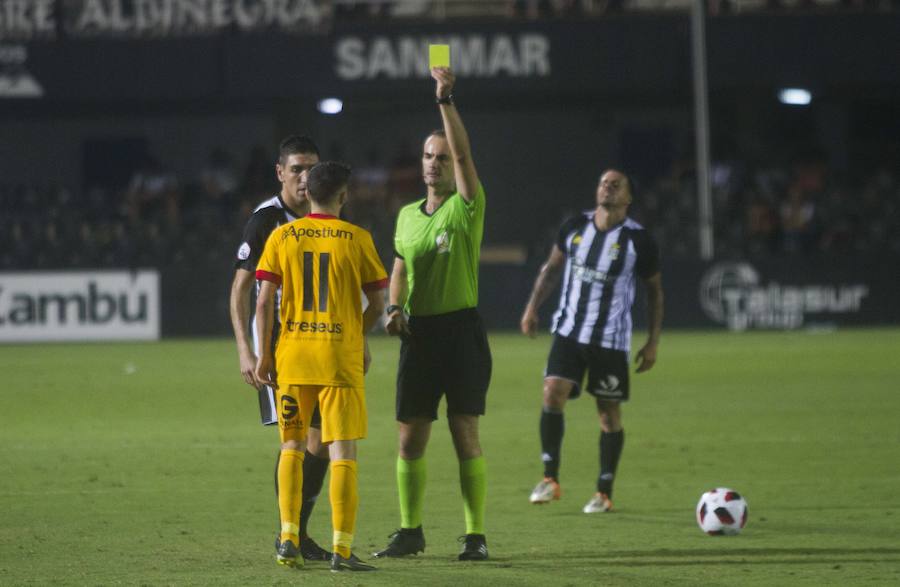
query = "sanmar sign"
x=477 y=55
x=58 y=306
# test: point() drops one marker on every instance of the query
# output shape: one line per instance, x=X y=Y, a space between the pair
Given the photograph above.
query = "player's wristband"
x=448 y=100
x=393 y=308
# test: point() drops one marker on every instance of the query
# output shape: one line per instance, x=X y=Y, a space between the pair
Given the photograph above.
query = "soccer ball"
x=721 y=511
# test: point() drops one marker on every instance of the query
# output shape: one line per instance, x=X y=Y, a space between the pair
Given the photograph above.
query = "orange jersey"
x=322 y=265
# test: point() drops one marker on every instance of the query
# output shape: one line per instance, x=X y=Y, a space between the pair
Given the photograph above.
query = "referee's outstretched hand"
x=646 y=357
x=445 y=81
x=397 y=325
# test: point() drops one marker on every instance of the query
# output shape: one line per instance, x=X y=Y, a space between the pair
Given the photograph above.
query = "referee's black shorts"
x=445 y=354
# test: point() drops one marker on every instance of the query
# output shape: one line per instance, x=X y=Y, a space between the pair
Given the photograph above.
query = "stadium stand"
x=774 y=211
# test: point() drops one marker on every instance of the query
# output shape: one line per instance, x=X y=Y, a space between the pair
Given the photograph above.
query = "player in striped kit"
x=597 y=254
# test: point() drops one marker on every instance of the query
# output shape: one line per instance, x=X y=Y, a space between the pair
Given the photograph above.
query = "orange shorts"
x=343 y=411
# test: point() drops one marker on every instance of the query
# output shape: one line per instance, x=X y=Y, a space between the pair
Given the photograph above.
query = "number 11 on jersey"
x=309 y=296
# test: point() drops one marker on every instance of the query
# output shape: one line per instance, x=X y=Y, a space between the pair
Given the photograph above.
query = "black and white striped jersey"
x=267 y=216
x=598 y=284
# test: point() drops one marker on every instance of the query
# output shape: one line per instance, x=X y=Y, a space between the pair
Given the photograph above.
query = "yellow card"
x=438 y=56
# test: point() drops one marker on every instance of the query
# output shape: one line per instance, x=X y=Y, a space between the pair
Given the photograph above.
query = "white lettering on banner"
x=731 y=294
x=525 y=55
x=171 y=17
x=24 y=19
x=350 y=62
x=246 y=13
x=382 y=60
x=57 y=306
x=15 y=79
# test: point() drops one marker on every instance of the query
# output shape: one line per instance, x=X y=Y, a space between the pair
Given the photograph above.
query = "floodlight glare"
x=331 y=106
x=795 y=96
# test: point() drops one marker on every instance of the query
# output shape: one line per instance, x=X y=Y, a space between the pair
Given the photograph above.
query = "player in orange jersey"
x=322 y=264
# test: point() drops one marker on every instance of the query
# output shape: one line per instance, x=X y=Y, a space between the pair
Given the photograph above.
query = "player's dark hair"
x=296 y=144
x=326 y=180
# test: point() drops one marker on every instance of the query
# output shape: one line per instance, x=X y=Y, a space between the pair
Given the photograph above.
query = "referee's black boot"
x=403 y=542
x=474 y=548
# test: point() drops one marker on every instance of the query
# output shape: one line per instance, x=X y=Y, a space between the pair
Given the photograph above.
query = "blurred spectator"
x=219 y=178
x=410 y=8
x=404 y=178
x=212 y=200
x=258 y=182
x=797 y=213
x=568 y=8
x=369 y=203
x=360 y=9
x=531 y=9
x=761 y=230
x=816 y=215
x=153 y=194
x=54 y=227
x=840 y=233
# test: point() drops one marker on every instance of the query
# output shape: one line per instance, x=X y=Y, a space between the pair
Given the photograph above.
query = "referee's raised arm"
x=458 y=139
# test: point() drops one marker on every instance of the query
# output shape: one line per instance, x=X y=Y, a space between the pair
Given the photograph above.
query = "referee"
x=598 y=253
x=444 y=348
x=297 y=154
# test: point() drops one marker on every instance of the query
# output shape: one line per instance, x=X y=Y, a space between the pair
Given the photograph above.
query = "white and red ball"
x=722 y=511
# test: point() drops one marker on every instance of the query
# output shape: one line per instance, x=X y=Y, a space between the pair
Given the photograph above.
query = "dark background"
x=619 y=95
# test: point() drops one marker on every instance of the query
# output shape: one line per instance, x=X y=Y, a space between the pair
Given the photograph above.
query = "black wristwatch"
x=445 y=100
x=393 y=308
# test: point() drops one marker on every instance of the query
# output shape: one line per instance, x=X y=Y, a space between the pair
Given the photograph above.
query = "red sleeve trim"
x=375 y=285
x=266 y=276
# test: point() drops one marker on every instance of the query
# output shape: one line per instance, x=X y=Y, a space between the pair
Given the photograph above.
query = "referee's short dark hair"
x=326 y=180
x=296 y=144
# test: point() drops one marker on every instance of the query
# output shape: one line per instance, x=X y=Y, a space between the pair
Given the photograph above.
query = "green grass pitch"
x=144 y=464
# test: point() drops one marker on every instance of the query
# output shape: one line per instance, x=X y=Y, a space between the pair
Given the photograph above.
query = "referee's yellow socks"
x=290 y=481
x=344 y=496
x=411 y=476
x=473 y=481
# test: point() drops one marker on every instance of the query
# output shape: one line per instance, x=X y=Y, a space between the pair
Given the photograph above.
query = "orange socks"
x=344 y=496
x=290 y=481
